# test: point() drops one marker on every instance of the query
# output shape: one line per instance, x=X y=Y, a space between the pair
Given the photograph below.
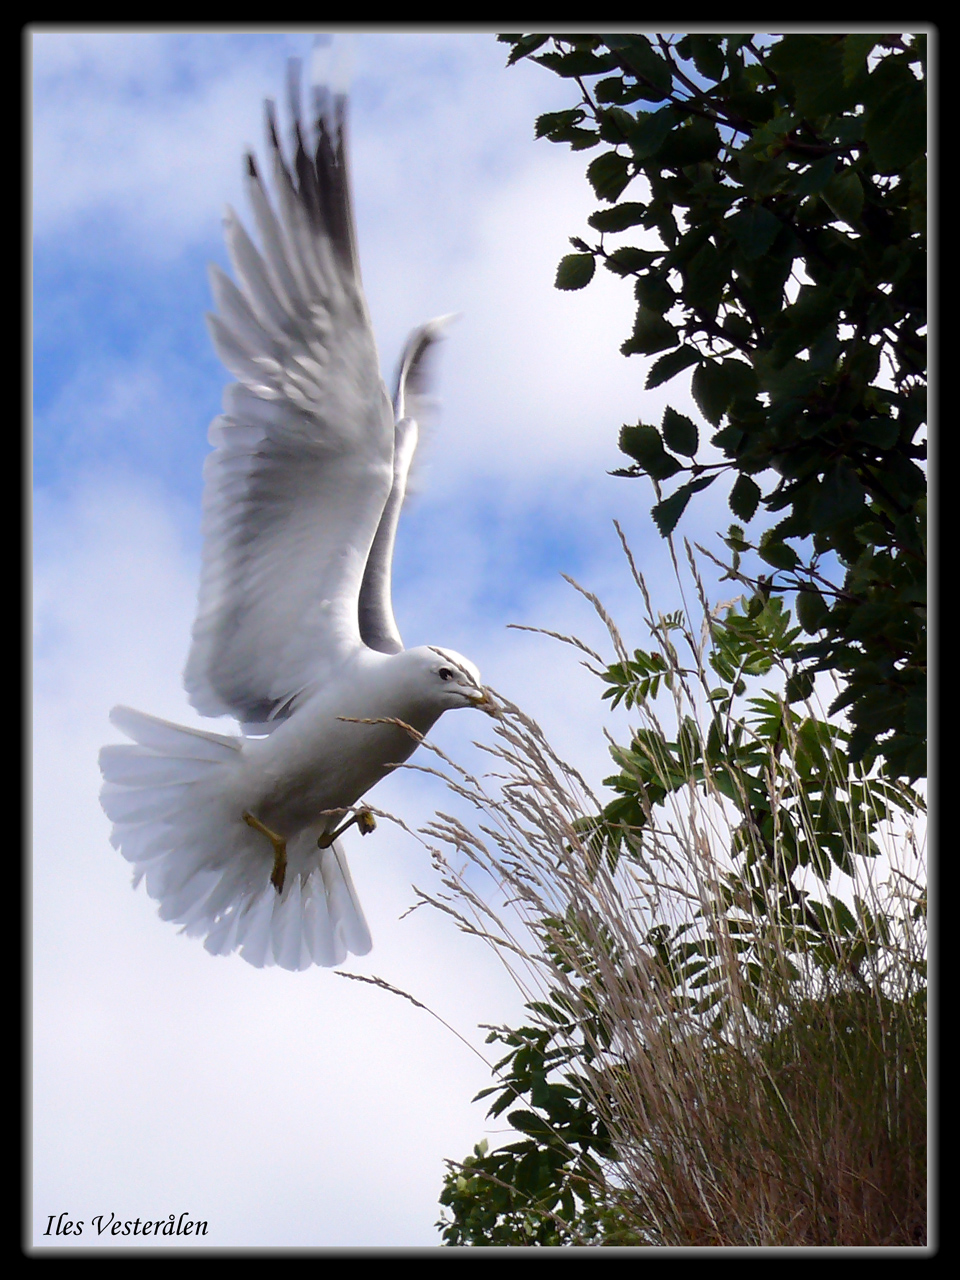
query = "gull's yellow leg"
x=364 y=820
x=279 y=850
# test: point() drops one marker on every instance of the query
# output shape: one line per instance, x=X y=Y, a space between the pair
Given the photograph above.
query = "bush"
x=727 y=1042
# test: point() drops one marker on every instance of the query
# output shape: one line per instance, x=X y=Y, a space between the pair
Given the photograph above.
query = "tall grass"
x=747 y=1022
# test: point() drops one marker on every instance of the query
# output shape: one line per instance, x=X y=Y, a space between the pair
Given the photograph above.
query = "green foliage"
x=542 y=1189
x=770 y=941
x=778 y=194
x=732 y=1051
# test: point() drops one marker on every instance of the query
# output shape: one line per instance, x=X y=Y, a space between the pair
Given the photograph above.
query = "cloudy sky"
x=297 y=1109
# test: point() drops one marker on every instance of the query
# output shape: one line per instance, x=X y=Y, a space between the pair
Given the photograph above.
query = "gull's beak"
x=483 y=701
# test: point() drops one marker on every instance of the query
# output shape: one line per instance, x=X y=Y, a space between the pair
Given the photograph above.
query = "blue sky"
x=298 y=1109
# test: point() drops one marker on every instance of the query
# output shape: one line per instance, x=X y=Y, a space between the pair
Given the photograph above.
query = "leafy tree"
x=774 y=190
x=777 y=224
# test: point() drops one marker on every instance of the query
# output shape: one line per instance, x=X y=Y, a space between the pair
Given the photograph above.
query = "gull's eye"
x=445 y=673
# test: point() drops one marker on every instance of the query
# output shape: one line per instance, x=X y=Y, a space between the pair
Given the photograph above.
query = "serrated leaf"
x=856 y=49
x=651 y=132
x=840 y=497
x=522 y=46
x=816 y=177
x=728 y=439
x=628 y=260
x=578 y=62
x=651 y=333
x=668 y=366
x=738 y=327
x=812 y=610
x=645 y=445
x=679 y=433
x=668 y=512
x=754 y=229
x=608 y=174
x=616 y=124
x=778 y=554
x=883 y=433
x=580 y=139
x=717 y=383
x=653 y=291
x=744 y=497
x=813 y=66
x=696 y=141
x=638 y=53
x=641 y=442
x=843 y=196
x=707 y=56
x=575 y=271
x=551 y=120
x=895 y=128
x=619 y=218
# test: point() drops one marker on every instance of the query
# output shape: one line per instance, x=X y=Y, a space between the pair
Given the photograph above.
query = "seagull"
x=238 y=836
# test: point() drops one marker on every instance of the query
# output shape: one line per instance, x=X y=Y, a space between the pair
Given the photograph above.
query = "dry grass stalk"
x=791 y=1109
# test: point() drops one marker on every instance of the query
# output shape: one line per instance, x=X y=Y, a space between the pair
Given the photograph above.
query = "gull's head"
x=446 y=679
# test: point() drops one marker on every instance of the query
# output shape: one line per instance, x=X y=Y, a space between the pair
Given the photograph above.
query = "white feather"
x=294 y=635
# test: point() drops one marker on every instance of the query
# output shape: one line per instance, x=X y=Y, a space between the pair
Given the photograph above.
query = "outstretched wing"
x=378 y=627
x=303 y=460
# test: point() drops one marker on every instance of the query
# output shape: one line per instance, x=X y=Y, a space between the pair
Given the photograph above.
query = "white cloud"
x=298 y=1108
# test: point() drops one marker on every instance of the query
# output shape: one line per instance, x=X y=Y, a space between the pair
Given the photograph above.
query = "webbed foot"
x=278 y=874
x=364 y=820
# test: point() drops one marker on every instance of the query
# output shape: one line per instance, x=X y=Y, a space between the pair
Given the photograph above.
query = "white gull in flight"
x=236 y=836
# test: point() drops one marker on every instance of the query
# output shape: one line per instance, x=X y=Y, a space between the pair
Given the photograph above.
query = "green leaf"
x=744 y=497
x=638 y=54
x=575 y=271
x=813 y=66
x=716 y=384
x=578 y=62
x=679 y=433
x=704 y=277
x=668 y=512
x=754 y=228
x=895 y=129
x=707 y=56
x=799 y=686
x=651 y=132
x=627 y=261
x=645 y=445
x=616 y=124
x=522 y=46
x=710 y=391
x=552 y=120
x=778 y=554
x=880 y=432
x=651 y=333
x=816 y=177
x=856 y=49
x=840 y=497
x=654 y=291
x=608 y=174
x=672 y=363
x=738 y=327
x=694 y=142
x=843 y=195
x=812 y=609
x=619 y=218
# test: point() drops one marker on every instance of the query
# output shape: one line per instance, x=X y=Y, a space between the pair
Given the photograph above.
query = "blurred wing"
x=303 y=455
x=378 y=627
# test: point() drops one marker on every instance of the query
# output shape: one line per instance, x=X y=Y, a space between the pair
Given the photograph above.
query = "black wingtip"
x=270 y=112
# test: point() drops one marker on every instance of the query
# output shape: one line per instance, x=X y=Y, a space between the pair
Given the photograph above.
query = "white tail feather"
x=172 y=798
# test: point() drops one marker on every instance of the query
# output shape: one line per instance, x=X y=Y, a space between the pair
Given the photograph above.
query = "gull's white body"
x=295 y=634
